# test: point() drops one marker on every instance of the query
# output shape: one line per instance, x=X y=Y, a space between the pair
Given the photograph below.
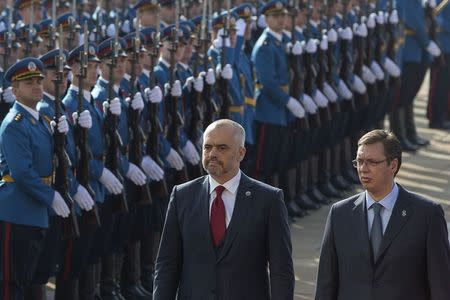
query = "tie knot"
x=376 y=207
x=219 y=190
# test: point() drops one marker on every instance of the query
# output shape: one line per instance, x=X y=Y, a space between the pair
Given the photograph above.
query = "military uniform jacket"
x=272 y=75
x=26 y=149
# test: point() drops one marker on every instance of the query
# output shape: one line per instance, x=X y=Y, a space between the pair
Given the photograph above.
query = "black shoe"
x=408 y=146
x=304 y=202
x=419 y=141
x=295 y=211
x=133 y=293
x=445 y=125
x=318 y=197
x=340 y=183
x=329 y=191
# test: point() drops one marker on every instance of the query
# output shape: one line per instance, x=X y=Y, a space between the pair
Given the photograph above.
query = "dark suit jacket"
x=414 y=258
x=257 y=238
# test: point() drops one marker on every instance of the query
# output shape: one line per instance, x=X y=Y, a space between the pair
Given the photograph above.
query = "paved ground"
x=426 y=172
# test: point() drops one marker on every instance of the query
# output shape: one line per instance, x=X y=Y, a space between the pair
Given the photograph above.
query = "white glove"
x=198 y=83
x=262 y=21
x=174 y=160
x=393 y=18
x=190 y=153
x=332 y=35
x=210 y=77
x=110 y=182
x=63 y=126
x=8 y=95
x=343 y=90
x=297 y=49
x=320 y=99
x=432 y=3
x=308 y=104
x=324 y=43
x=111 y=30
x=391 y=67
x=136 y=175
x=153 y=95
x=226 y=73
x=371 y=22
x=361 y=30
x=85 y=119
x=175 y=91
x=433 y=49
x=137 y=103
x=380 y=18
x=60 y=206
x=329 y=92
x=240 y=27
x=376 y=69
x=114 y=106
x=358 y=85
x=367 y=75
x=296 y=108
x=218 y=42
x=189 y=82
x=126 y=26
x=152 y=169
x=346 y=34
x=83 y=198
x=311 y=46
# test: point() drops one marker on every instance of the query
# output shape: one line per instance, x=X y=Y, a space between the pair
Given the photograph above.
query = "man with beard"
x=224 y=229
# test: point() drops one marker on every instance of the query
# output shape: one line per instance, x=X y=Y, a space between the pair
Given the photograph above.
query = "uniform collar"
x=51 y=97
x=127 y=77
x=146 y=72
x=32 y=112
x=299 y=29
x=276 y=35
x=106 y=82
x=164 y=62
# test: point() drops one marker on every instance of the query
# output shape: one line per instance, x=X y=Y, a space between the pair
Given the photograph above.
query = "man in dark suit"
x=226 y=236
x=385 y=243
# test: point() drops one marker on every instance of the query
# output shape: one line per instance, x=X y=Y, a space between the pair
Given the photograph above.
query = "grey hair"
x=239 y=131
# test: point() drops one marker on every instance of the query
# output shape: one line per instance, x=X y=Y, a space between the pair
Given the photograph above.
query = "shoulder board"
x=18 y=117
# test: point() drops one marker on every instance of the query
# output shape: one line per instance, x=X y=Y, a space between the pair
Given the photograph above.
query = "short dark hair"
x=392 y=146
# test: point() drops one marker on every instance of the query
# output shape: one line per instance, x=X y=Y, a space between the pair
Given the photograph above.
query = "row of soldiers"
x=104 y=106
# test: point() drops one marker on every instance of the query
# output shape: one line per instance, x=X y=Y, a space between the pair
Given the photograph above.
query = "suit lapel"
x=400 y=215
x=360 y=218
x=243 y=199
x=204 y=200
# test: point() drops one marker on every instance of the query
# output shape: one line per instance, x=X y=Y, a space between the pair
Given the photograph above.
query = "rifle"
x=346 y=60
x=223 y=83
x=360 y=54
x=136 y=134
x=30 y=35
x=81 y=138
x=325 y=112
x=152 y=148
x=296 y=86
x=331 y=60
x=210 y=105
x=60 y=158
x=52 y=29
x=175 y=119
x=113 y=137
x=8 y=42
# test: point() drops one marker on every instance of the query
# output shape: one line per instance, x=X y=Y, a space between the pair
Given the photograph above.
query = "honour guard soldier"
x=438 y=107
x=26 y=147
x=51 y=256
x=147 y=11
x=274 y=105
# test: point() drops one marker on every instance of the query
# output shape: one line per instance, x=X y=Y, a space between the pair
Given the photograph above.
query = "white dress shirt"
x=33 y=112
x=387 y=204
x=228 y=195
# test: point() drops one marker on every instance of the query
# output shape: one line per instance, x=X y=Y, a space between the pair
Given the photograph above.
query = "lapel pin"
x=248 y=193
x=403 y=213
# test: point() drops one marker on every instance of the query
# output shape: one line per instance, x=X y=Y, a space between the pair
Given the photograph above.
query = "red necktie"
x=217 y=223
